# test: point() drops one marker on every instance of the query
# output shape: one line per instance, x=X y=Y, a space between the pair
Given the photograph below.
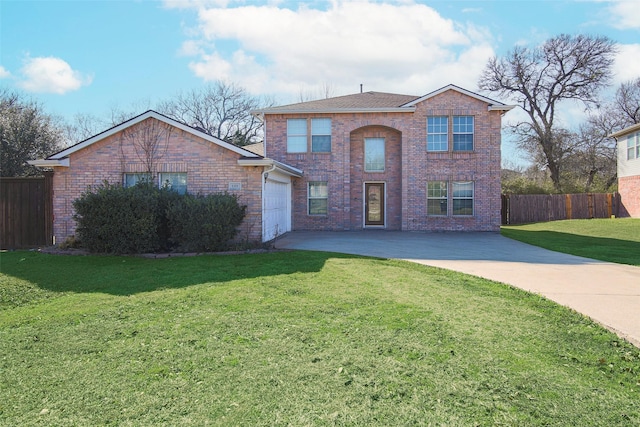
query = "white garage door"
x=276 y=212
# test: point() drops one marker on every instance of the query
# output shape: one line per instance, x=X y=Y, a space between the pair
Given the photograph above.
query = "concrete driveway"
x=606 y=292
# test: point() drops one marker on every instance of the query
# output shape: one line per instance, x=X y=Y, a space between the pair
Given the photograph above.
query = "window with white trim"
x=374 y=155
x=173 y=181
x=296 y=135
x=131 y=179
x=462 y=133
x=633 y=146
x=318 y=198
x=437 y=198
x=321 y=135
x=437 y=133
x=462 y=199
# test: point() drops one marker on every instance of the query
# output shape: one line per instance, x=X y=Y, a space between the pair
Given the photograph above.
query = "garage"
x=276 y=210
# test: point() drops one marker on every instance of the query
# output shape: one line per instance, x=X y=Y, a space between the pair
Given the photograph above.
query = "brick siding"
x=629 y=189
x=408 y=166
x=209 y=167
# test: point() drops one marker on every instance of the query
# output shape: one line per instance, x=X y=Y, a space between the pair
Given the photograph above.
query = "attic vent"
x=203 y=130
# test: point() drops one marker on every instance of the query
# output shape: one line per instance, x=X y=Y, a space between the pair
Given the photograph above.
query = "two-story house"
x=388 y=161
x=628 y=141
x=369 y=160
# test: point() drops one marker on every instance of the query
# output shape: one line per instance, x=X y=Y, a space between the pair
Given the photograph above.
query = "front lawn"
x=613 y=240
x=296 y=338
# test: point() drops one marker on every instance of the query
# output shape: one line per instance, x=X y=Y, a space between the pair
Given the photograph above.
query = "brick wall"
x=209 y=169
x=408 y=166
x=629 y=189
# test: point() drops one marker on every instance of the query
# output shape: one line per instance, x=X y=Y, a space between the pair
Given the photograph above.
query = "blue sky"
x=92 y=56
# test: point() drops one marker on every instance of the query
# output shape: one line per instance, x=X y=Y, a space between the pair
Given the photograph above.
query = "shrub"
x=204 y=223
x=114 y=219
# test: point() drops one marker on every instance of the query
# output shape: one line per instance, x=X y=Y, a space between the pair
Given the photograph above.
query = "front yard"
x=296 y=338
x=613 y=240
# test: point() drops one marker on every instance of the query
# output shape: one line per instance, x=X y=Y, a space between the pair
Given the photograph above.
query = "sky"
x=93 y=56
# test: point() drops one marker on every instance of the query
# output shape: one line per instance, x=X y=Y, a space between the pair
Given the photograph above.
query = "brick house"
x=369 y=160
x=177 y=155
x=628 y=141
x=389 y=161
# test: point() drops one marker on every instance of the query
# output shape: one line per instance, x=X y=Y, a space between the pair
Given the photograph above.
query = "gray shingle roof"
x=366 y=100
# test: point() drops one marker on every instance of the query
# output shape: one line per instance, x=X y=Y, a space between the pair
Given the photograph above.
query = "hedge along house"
x=156 y=147
x=388 y=161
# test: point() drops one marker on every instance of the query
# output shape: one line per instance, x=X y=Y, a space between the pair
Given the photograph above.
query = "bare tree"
x=627 y=102
x=562 y=68
x=26 y=133
x=150 y=141
x=221 y=109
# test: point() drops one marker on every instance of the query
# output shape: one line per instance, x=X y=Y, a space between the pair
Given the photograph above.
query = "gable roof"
x=144 y=116
x=370 y=102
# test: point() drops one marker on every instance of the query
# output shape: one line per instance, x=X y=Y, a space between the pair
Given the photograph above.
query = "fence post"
x=569 y=210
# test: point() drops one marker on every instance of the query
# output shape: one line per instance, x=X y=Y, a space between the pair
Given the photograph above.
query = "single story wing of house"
x=368 y=160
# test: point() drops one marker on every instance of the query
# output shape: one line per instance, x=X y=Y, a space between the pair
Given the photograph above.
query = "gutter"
x=272 y=164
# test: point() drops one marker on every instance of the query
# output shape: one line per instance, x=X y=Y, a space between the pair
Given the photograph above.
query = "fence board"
x=526 y=208
x=26 y=212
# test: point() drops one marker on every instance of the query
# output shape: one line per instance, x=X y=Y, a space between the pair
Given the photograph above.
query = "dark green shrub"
x=114 y=219
x=204 y=223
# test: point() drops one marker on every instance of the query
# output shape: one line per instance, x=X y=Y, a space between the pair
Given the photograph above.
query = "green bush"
x=114 y=219
x=144 y=218
x=204 y=223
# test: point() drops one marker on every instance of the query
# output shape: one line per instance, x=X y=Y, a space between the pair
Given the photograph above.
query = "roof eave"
x=49 y=163
x=286 y=169
x=501 y=107
x=625 y=131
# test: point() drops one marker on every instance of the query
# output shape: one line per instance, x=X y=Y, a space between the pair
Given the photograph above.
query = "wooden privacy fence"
x=26 y=212
x=525 y=208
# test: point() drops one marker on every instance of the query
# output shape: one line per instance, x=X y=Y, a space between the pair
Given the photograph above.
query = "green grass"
x=296 y=338
x=613 y=240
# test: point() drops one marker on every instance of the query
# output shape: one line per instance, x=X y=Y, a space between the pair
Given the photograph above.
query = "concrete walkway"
x=606 y=292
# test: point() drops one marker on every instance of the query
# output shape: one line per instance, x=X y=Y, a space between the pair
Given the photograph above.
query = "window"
x=462 y=198
x=318 y=195
x=296 y=135
x=633 y=146
x=462 y=133
x=374 y=154
x=437 y=133
x=131 y=179
x=173 y=181
x=437 y=198
x=321 y=135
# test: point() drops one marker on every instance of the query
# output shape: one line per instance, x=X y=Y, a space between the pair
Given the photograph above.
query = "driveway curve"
x=606 y=292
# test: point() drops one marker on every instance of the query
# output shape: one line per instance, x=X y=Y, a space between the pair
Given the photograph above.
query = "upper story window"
x=462 y=133
x=296 y=135
x=374 y=155
x=437 y=133
x=633 y=146
x=321 y=135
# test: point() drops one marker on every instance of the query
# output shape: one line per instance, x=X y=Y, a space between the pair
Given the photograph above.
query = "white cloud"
x=626 y=66
x=51 y=75
x=4 y=73
x=403 y=47
x=625 y=14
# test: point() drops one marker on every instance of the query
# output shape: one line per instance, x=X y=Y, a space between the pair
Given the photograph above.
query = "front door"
x=374 y=204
